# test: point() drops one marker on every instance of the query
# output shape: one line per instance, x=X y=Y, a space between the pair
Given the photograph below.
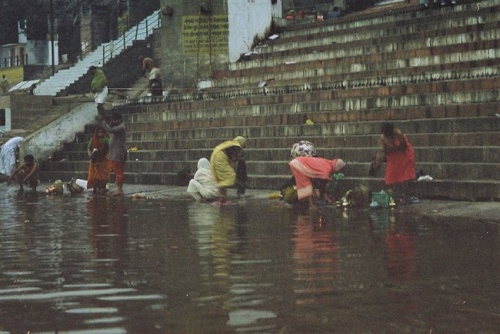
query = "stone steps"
x=370 y=140
x=437 y=155
x=413 y=25
x=253 y=112
x=390 y=14
x=439 y=171
x=460 y=46
x=434 y=74
x=415 y=42
x=287 y=129
x=372 y=59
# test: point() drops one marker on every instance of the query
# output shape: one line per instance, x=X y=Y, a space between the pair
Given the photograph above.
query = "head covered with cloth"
x=223 y=161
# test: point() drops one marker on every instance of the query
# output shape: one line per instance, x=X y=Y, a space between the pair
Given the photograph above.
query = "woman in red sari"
x=99 y=165
x=400 y=166
x=305 y=168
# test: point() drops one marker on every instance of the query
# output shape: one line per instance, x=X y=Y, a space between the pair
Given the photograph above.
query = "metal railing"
x=144 y=28
x=13 y=61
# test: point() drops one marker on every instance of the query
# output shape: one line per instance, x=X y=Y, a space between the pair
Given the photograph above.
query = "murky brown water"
x=79 y=265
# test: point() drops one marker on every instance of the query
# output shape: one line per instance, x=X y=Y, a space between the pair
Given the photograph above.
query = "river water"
x=123 y=265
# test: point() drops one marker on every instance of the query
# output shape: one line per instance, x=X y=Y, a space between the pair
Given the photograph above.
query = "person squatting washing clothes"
x=26 y=174
x=306 y=168
x=288 y=190
x=223 y=161
x=8 y=153
x=203 y=186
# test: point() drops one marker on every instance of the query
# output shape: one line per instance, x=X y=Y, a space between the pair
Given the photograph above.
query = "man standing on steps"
x=117 y=149
x=99 y=86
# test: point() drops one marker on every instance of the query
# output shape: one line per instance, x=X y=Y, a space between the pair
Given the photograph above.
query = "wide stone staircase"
x=433 y=73
x=61 y=80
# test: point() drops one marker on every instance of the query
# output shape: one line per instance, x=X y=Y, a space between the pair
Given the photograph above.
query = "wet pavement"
x=155 y=261
x=442 y=210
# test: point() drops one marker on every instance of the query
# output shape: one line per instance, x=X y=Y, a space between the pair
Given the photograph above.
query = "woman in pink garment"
x=304 y=169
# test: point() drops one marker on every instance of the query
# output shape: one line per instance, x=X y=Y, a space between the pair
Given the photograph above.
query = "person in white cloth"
x=203 y=186
x=8 y=155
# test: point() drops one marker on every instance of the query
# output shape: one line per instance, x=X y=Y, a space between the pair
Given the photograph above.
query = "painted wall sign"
x=204 y=35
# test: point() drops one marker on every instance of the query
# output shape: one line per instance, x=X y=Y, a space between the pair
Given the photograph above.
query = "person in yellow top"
x=223 y=161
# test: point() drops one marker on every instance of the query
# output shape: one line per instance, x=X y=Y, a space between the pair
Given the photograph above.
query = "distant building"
x=106 y=20
x=28 y=52
x=77 y=33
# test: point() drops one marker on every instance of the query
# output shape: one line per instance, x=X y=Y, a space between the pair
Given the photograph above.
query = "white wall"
x=247 y=19
x=40 y=52
x=51 y=138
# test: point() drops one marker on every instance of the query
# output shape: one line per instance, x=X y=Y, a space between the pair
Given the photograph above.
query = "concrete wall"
x=27 y=108
x=40 y=52
x=52 y=137
x=194 y=45
x=4 y=101
x=249 y=20
x=85 y=34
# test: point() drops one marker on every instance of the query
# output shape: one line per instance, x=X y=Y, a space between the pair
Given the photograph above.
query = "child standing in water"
x=26 y=174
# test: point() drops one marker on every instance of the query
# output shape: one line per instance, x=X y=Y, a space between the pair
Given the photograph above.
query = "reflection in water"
x=401 y=248
x=400 y=242
x=315 y=254
x=108 y=221
x=230 y=285
x=118 y=265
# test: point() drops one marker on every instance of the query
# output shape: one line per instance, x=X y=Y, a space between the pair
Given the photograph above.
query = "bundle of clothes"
x=75 y=186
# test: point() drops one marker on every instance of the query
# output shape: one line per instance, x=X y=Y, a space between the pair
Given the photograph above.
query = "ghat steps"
x=433 y=73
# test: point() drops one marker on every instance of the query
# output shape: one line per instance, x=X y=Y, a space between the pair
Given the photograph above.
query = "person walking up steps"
x=99 y=86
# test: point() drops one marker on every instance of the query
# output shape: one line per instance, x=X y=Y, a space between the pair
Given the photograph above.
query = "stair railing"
x=143 y=28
